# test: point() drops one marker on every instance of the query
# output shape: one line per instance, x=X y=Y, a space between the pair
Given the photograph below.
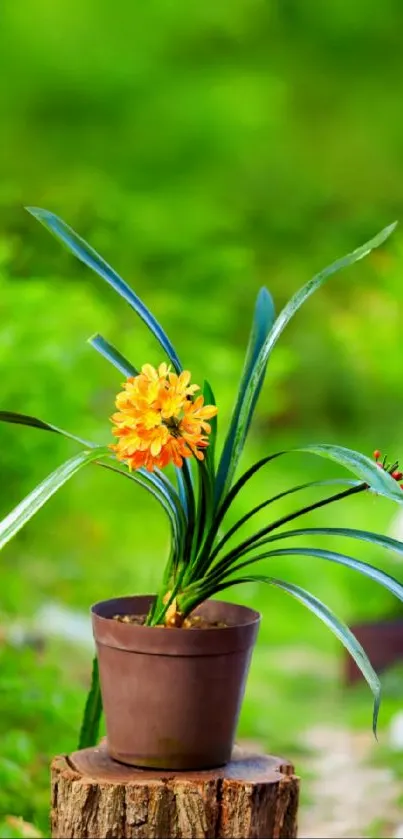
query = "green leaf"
x=164 y=493
x=33 y=422
x=33 y=502
x=257 y=539
x=86 y=254
x=268 y=501
x=364 y=568
x=223 y=509
x=205 y=494
x=244 y=409
x=157 y=478
x=204 y=514
x=360 y=465
x=181 y=488
x=363 y=535
x=188 y=488
x=156 y=483
x=93 y=711
x=209 y=452
x=263 y=320
x=113 y=355
x=339 y=629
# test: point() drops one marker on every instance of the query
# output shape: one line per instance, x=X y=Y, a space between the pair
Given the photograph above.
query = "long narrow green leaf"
x=263 y=320
x=156 y=483
x=205 y=472
x=169 y=501
x=33 y=422
x=86 y=254
x=255 y=378
x=261 y=537
x=93 y=711
x=209 y=452
x=160 y=487
x=360 y=465
x=204 y=514
x=206 y=548
x=339 y=629
x=363 y=535
x=269 y=501
x=190 y=508
x=364 y=568
x=181 y=488
x=33 y=502
x=113 y=355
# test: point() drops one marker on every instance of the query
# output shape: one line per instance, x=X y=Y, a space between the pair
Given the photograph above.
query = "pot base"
x=173 y=763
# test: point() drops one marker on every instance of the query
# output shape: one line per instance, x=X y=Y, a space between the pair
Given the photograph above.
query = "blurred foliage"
x=204 y=150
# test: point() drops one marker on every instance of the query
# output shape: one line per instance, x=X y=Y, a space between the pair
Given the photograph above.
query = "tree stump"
x=95 y=797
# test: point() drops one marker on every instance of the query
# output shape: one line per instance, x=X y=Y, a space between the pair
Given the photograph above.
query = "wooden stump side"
x=95 y=798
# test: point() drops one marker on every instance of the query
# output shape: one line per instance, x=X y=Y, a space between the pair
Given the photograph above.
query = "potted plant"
x=173 y=666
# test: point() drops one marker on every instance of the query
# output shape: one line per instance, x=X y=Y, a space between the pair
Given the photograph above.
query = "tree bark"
x=93 y=797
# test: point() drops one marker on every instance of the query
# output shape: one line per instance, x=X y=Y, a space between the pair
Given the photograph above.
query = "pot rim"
x=239 y=634
x=255 y=616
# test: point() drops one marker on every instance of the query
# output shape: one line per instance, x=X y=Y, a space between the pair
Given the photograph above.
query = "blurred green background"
x=204 y=150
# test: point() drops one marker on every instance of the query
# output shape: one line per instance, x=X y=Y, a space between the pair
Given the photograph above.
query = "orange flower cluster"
x=158 y=419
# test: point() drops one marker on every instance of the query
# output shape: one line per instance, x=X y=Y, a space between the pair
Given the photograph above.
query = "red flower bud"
x=397 y=475
x=377 y=454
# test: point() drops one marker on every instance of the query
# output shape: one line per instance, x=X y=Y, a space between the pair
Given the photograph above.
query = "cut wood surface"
x=93 y=797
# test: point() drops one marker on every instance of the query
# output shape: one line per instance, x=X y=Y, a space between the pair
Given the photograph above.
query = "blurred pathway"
x=349 y=798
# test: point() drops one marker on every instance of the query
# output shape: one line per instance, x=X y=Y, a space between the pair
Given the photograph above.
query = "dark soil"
x=192 y=622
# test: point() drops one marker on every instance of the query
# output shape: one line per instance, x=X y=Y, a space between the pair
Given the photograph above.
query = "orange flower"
x=159 y=421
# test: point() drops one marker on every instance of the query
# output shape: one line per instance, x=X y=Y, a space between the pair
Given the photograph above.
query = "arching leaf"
x=156 y=483
x=113 y=355
x=33 y=502
x=277 y=497
x=33 y=422
x=86 y=254
x=263 y=320
x=339 y=629
x=352 y=533
x=219 y=573
x=256 y=374
x=359 y=464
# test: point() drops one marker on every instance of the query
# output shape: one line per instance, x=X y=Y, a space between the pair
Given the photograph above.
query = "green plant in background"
x=162 y=420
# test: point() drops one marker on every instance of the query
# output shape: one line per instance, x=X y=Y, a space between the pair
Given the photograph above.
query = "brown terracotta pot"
x=382 y=641
x=172 y=696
